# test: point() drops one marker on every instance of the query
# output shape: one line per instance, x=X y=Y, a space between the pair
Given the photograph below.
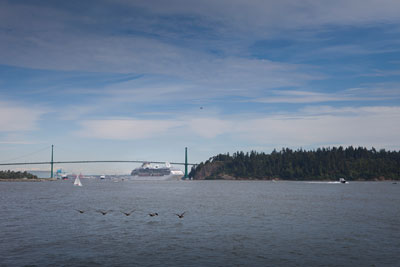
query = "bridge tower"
x=52 y=161
x=186 y=165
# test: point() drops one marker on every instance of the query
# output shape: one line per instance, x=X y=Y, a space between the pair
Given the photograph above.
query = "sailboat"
x=77 y=181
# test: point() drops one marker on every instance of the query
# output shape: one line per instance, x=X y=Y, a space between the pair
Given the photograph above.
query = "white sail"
x=77 y=181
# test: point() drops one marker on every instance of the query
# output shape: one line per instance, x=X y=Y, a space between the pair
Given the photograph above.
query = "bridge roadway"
x=94 y=161
x=186 y=164
x=52 y=162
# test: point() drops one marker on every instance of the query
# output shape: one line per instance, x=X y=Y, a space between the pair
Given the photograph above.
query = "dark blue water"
x=227 y=223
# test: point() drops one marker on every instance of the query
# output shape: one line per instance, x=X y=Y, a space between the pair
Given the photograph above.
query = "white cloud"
x=367 y=126
x=266 y=15
x=15 y=117
x=382 y=73
x=134 y=129
x=203 y=55
x=150 y=56
x=209 y=127
x=291 y=96
x=125 y=129
x=16 y=142
x=198 y=73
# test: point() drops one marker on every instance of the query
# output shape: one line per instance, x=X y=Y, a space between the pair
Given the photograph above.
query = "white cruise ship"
x=156 y=173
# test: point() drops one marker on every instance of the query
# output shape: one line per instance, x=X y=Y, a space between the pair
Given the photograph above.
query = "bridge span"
x=52 y=162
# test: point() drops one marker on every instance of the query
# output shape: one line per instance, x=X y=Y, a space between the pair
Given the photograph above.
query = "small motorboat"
x=343 y=181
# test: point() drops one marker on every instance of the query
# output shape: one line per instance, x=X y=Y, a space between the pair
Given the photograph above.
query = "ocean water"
x=227 y=223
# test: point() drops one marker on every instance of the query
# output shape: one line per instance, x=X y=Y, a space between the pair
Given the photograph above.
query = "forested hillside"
x=16 y=175
x=321 y=164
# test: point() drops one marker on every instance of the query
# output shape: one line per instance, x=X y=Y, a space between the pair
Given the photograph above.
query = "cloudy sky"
x=142 y=80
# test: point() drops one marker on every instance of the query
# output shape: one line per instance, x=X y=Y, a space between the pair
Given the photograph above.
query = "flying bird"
x=180 y=215
x=128 y=213
x=104 y=212
x=153 y=214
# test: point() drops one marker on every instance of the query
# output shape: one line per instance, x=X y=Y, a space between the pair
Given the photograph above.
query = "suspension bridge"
x=52 y=162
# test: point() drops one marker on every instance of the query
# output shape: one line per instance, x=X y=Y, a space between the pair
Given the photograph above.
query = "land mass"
x=321 y=164
x=12 y=175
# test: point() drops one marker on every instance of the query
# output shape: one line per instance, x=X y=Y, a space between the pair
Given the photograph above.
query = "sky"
x=142 y=80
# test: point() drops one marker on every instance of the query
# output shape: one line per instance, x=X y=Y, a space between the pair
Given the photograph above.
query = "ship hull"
x=149 y=172
x=170 y=177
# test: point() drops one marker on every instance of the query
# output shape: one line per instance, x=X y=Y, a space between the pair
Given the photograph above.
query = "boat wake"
x=335 y=182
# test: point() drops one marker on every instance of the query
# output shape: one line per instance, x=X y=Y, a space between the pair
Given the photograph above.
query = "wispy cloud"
x=140 y=46
x=132 y=72
x=120 y=54
x=125 y=129
x=16 y=142
x=382 y=73
x=209 y=127
x=296 y=97
x=322 y=125
x=138 y=129
x=255 y=15
x=365 y=126
x=14 y=117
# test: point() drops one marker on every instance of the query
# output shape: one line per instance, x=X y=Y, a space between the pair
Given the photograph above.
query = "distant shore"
x=276 y=179
x=28 y=180
x=239 y=179
x=288 y=180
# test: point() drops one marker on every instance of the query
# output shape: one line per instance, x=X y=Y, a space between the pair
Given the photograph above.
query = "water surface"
x=227 y=223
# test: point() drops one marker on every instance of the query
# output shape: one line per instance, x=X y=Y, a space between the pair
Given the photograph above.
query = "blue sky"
x=142 y=80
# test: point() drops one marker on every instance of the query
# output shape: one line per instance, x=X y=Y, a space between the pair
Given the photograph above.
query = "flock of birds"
x=152 y=214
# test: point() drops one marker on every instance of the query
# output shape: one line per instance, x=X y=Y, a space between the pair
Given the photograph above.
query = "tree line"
x=321 y=164
x=16 y=175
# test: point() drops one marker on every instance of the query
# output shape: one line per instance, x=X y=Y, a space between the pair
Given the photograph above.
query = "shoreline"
x=286 y=180
x=255 y=180
x=29 y=180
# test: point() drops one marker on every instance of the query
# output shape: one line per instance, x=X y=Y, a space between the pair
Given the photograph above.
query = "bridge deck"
x=92 y=161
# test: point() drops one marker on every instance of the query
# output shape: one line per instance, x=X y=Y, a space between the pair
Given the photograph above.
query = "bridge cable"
x=29 y=154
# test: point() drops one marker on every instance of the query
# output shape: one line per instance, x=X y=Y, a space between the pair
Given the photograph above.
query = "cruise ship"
x=156 y=173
